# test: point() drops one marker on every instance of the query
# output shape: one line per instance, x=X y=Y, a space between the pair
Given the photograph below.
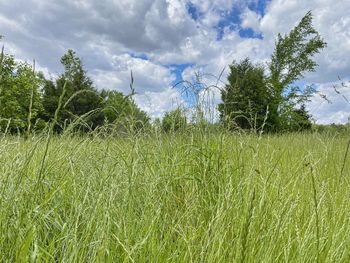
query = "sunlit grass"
x=191 y=197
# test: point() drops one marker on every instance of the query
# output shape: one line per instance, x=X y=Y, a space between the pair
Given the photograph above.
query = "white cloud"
x=105 y=33
x=157 y=103
x=332 y=21
x=148 y=76
x=250 y=19
x=334 y=109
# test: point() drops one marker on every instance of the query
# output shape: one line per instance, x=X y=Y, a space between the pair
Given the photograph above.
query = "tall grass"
x=190 y=197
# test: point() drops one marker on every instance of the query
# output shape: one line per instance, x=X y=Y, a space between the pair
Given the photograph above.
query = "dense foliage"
x=174 y=120
x=246 y=98
x=123 y=111
x=20 y=101
x=28 y=100
x=253 y=98
x=80 y=97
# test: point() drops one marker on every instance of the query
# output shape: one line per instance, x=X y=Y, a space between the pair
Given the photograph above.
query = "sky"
x=165 y=41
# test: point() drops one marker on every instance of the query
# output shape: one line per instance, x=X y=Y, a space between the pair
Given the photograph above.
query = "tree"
x=81 y=99
x=252 y=99
x=122 y=110
x=291 y=59
x=20 y=102
x=301 y=119
x=174 y=120
x=246 y=97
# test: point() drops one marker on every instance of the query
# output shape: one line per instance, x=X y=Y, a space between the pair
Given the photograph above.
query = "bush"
x=174 y=120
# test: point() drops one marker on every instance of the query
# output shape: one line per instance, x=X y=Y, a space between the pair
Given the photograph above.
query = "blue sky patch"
x=230 y=21
x=178 y=69
x=193 y=11
x=139 y=55
x=249 y=33
x=259 y=6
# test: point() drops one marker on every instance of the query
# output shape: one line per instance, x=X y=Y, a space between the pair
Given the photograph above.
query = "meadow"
x=186 y=197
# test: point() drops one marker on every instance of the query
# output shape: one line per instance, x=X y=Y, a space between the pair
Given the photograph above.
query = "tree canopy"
x=174 y=120
x=19 y=94
x=80 y=99
x=253 y=99
x=122 y=111
x=246 y=97
x=27 y=98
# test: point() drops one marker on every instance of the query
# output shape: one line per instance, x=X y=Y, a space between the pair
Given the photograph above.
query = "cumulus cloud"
x=156 y=104
x=331 y=104
x=251 y=19
x=148 y=76
x=150 y=36
x=332 y=21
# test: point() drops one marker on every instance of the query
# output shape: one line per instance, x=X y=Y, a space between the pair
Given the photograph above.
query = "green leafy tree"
x=254 y=100
x=20 y=98
x=291 y=59
x=301 y=119
x=174 y=120
x=122 y=110
x=246 y=97
x=81 y=98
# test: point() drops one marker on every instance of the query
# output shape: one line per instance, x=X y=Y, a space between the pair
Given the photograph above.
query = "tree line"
x=28 y=99
x=256 y=97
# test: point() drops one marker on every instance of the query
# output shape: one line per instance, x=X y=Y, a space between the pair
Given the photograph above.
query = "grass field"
x=195 y=197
